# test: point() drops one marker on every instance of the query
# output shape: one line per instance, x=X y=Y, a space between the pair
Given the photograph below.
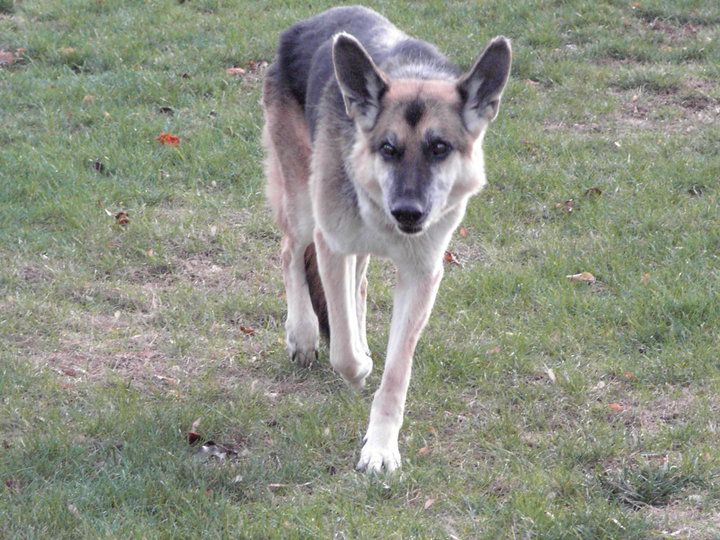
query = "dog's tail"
x=317 y=294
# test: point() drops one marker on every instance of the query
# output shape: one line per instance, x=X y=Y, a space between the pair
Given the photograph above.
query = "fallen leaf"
x=7 y=58
x=550 y=374
x=235 y=71
x=168 y=139
x=629 y=376
x=450 y=258
x=247 y=330
x=88 y=99
x=424 y=451
x=616 y=407
x=494 y=350
x=66 y=51
x=122 y=218
x=463 y=232
x=567 y=206
x=428 y=503
x=593 y=192
x=582 y=277
x=645 y=279
x=193 y=437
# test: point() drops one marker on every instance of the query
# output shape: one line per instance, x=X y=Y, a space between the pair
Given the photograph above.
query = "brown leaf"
x=645 y=279
x=450 y=258
x=582 y=277
x=248 y=330
x=168 y=139
x=616 y=407
x=122 y=218
x=12 y=485
x=7 y=58
x=463 y=232
x=424 y=451
x=566 y=206
x=88 y=99
x=428 y=503
x=629 y=376
x=235 y=71
x=70 y=372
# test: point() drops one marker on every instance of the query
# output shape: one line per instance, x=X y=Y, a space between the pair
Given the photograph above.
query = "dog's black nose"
x=409 y=215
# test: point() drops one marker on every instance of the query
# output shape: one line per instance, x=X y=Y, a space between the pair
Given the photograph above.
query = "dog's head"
x=419 y=150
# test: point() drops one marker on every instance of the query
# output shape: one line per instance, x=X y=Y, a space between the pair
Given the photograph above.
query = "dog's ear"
x=361 y=82
x=482 y=86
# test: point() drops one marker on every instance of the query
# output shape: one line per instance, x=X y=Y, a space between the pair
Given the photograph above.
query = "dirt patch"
x=688 y=109
x=684 y=520
x=666 y=411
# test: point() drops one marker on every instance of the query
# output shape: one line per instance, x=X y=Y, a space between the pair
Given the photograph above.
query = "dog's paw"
x=302 y=343
x=375 y=458
x=304 y=358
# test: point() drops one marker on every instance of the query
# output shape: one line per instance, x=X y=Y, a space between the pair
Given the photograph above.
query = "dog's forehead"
x=412 y=107
x=431 y=90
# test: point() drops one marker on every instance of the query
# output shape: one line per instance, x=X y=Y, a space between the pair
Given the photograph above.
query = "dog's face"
x=419 y=150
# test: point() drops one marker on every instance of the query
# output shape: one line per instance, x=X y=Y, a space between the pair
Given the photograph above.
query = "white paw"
x=375 y=458
x=302 y=343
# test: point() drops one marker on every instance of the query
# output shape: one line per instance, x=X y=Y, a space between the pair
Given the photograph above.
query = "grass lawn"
x=539 y=407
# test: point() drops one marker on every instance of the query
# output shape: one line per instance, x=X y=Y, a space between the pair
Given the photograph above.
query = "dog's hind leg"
x=287 y=144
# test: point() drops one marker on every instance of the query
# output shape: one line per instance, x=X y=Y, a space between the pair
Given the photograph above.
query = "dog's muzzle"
x=409 y=216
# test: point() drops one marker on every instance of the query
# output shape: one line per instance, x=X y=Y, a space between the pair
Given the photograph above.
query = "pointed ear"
x=482 y=86
x=361 y=82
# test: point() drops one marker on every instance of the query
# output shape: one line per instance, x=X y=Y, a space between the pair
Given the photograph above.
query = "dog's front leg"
x=413 y=300
x=348 y=353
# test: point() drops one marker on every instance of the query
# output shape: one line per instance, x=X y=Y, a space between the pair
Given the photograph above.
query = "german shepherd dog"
x=374 y=146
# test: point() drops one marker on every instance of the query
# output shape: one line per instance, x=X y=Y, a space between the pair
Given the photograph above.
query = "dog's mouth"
x=410 y=229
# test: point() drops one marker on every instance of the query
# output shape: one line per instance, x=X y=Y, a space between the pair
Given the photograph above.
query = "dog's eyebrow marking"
x=414 y=112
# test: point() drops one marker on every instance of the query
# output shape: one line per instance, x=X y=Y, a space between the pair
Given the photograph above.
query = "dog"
x=373 y=145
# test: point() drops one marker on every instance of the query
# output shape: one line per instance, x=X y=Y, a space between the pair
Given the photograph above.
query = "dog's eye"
x=388 y=151
x=439 y=149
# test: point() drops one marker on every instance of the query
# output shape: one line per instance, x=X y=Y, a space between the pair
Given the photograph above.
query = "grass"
x=115 y=339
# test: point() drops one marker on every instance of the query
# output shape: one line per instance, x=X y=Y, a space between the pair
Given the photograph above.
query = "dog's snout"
x=409 y=215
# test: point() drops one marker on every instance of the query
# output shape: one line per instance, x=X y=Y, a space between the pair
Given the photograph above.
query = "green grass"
x=114 y=340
